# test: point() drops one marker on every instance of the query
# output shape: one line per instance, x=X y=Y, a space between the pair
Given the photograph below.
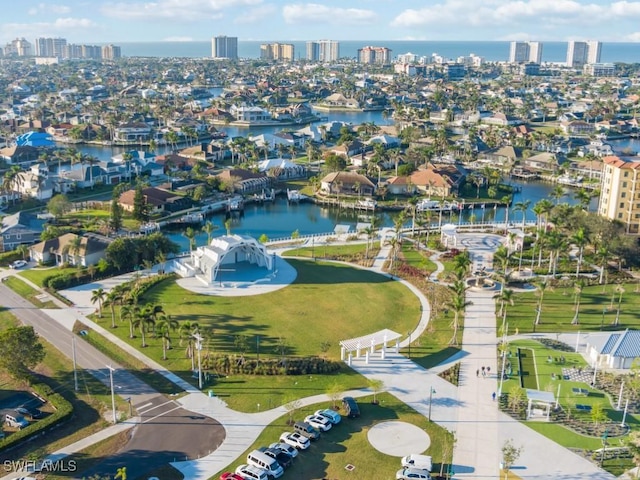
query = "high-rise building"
x=525 y=52
x=110 y=52
x=374 y=55
x=18 y=48
x=620 y=191
x=224 y=47
x=278 y=51
x=581 y=53
x=323 y=51
x=50 y=47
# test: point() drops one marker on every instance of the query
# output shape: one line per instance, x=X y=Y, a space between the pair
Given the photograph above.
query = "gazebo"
x=228 y=250
x=367 y=344
x=448 y=235
x=540 y=398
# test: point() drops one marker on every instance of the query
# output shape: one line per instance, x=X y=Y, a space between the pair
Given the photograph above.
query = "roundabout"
x=398 y=438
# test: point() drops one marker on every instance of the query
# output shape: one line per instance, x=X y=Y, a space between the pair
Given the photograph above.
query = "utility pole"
x=199 y=339
x=113 y=396
x=75 y=370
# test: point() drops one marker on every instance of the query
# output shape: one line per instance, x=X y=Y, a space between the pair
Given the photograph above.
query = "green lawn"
x=28 y=292
x=417 y=258
x=334 y=251
x=37 y=275
x=596 y=309
x=347 y=443
x=328 y=302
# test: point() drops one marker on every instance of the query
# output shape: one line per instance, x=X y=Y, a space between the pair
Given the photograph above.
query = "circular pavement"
x=398 y=438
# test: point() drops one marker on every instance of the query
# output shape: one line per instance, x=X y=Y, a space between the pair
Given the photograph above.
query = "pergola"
x=448 y=235
x=540 y=397
x=368 y=344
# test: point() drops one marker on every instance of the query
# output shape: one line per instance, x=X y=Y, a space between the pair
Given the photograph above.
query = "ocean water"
x=491 y=51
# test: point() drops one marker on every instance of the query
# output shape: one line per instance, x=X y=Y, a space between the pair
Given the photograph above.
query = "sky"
x=121 y=21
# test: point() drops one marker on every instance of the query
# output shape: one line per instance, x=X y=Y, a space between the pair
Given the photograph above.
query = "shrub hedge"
x=63 y=412
x=233 y=364
x=7 y=258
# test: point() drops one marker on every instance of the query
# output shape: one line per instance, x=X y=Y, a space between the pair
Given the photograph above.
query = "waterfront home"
x=281 y=168
x=441 y=180
x=400 y=185
x=208 y=152
x=19 y=229
x=577 y=127
x=545 y=162
x=35 y=183
x=502 y=119
x=349 y=149
x=349 y=183
x=174 y=162
x=132 y=132
x=157 y=200
x=66 y=249
x=385 y=140
x=503 y=158
x=216 y=115
x=19 y=155
x=247 y=114
x=244 y=181
x=338 y=100
x=587 y=169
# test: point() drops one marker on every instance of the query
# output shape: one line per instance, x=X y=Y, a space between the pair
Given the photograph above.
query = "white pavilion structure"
x=208 y=261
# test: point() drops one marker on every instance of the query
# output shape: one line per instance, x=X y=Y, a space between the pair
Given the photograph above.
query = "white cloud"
x=47 y=8
x=488 y=13
x=255 y=15
x=177 y=10
x=316 y=13
x=633 y=37
x=62 y=27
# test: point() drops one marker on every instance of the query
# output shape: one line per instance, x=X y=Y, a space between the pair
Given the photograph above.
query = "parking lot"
x=12 y=400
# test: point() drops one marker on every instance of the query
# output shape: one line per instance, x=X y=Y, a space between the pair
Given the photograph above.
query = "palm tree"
x=458 y=305
x=620 y=291
x=462 y=262
x=556 y=243
x=522 y=207
x=190 y=233
x=208 y=228
x=557 y=193
x=163 y=328
x=112 y=299
x=142 y=321
x=98 y=296
x=502 y=256
x=227 y=226
x=128 y=311
x=602 y=257
x=580 y=240
x=577 y=288
x=542 y=287
x=505 y=298
x=186 y=331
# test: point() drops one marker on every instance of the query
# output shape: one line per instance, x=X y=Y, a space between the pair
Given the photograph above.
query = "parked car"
x=295 y=440
x=283 y=458
x=16 y=421
x=351 y=407
x=18 y=264
x=248 y=472
x=303 y=428
x=410 y=473
x=333 y=416
x=283 y=447
x=265 y=462
x=423 y=462
x=318 y=421
x=30 y=412
x=230 y=476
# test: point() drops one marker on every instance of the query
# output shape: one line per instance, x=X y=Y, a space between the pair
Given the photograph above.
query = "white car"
x=319 y=422
x=249 y=472
x=295 y=440
x=283 y=447
x=19 y=264
x=412 y=473
x=333 y=416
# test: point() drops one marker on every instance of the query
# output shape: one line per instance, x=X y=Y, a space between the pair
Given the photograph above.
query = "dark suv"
x=350 y=407
x=281 y=457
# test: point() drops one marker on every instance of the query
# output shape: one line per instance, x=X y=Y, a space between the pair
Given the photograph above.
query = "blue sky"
x=99 y=21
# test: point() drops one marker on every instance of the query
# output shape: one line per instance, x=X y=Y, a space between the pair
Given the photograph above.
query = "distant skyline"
x=121 y=21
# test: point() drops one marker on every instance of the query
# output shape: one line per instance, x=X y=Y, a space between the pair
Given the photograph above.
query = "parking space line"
x=153 y=408
x=162 y=414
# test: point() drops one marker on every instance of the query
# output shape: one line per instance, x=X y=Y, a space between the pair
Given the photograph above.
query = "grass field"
x=598 y=307
x=347 y=443
x=417 y=258
x=27 y=292
x=37 y=275
x=333 y=251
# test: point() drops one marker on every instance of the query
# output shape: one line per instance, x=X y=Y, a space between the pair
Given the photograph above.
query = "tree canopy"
x=20 y=350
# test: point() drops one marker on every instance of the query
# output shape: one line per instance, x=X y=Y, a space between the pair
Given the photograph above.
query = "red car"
x=230 y=476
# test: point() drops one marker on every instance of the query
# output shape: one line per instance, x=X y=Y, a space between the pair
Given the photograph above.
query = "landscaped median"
x=347 y=443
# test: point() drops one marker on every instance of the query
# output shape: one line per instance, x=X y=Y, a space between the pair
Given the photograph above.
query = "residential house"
x=349 y=149
x=338 y=100
x=387 y=141
x=206 y=152
x=245 y=181
x=132 y=132
x=587 y=169
x=542 y=162
x=440 y=180
x=157 y=200
x=19 y=155
x=349 y=183
x=400 y=185
x=247 y=114
x=502 y=119
x=19 y=229
x=66 y=249
x=503 y=157
x=35 y=183
x=282 y=169
x=577 y=127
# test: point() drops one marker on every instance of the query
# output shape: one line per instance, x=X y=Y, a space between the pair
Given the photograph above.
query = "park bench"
x=583 y=408
x=580 y=391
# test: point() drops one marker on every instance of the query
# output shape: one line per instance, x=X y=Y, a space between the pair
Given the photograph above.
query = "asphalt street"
x=166 y=433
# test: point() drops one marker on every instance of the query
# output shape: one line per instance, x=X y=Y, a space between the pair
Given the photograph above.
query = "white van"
x=414 y=460
x=265 y=462
x=249 y=472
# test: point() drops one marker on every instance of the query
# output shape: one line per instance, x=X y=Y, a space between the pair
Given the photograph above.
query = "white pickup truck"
x=414 y=460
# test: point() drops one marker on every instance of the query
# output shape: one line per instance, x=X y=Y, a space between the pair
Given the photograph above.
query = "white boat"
x=293 y=196
x=367 y=204
x=436 y=205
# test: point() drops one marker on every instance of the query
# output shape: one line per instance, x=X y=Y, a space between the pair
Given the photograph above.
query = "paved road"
x=167 y=431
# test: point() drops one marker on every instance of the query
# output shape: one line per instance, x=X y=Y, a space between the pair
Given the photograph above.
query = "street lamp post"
x=431 y=392
x=199 y=339
x=602 y=319
x=113 y=395
x=75 y=371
